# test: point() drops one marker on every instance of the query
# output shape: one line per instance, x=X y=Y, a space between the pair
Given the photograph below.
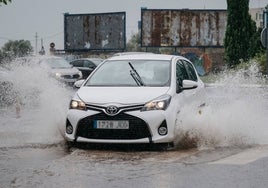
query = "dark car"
x=86 y=65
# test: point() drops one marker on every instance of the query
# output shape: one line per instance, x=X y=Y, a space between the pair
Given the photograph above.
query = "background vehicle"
x=134 y=99
x=61 y=69
x=86 y=65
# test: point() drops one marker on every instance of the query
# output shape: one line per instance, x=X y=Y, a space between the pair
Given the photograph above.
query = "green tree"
x=17 y=48
x=4 y=1
x=1 y=57
x=241 y=39
x=134 y=44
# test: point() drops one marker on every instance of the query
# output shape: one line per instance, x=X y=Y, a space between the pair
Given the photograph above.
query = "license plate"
x=105 y=124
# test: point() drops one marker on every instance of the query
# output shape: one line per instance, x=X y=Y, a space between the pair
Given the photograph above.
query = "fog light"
x=69 y=129
x=162 y=130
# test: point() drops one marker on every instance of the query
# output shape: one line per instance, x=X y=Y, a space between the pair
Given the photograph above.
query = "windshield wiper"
x=135 y=75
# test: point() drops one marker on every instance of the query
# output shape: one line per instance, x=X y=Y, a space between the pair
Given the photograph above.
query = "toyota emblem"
x=111 y=110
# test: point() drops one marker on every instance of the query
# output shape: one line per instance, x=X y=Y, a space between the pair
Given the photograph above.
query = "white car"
x=133 y=99
x=61 y=69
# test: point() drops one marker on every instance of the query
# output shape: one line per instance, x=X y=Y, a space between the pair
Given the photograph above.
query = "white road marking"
x=245 y=157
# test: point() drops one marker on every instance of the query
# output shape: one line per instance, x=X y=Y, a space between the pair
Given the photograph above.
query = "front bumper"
x=143 y=127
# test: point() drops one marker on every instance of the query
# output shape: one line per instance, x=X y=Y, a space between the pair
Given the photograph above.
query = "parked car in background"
x=86 y=65
x=133 y=99
x=61 y=69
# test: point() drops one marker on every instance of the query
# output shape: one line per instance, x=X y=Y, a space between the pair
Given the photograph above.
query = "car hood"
x=122 y=95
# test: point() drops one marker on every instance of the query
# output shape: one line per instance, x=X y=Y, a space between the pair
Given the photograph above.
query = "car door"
x=181 y=74
x=89 y=67
x=78 y=64
x=197 y=94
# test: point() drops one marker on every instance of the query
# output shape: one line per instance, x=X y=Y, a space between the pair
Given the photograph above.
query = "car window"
x=89 y=64
x=190 y=70
x=181 y=73
x=112 y=73
x=77 y=63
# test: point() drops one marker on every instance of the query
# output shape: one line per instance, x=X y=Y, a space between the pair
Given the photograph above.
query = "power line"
x=32 y=40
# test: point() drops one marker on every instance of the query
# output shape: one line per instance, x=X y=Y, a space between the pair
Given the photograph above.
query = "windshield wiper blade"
x=135 y=75
x=134 y=78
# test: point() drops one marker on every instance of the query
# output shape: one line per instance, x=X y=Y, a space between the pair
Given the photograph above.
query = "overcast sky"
x=22 y=19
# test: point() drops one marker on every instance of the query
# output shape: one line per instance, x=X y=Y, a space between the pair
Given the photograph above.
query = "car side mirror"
x=79 y=83
x=186 y=85
x=189 y=84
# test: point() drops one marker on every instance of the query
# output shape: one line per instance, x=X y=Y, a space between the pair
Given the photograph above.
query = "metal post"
x=266 y=25
x=265 y=35
x=267 y=53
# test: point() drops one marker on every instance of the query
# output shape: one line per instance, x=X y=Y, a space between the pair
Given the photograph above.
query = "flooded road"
x=53 y=167
x=225 y=144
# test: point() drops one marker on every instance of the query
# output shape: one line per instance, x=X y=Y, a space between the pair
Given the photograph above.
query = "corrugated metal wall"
x=95 y=31
x=183 y=28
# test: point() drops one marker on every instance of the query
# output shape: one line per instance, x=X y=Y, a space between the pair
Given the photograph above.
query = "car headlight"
x=58 y=74
x=79 y=105
x=160 y=103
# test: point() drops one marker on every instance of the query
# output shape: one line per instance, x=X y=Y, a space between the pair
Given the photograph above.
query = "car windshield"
x=131 y=73
x=57 y=63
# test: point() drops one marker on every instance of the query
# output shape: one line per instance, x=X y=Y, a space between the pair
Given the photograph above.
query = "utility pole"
x=36 y=38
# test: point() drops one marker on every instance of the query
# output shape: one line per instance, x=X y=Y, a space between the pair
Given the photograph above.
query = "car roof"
x=42 y=58
x=88 y=58
x=131 y=53
x=50 y=57
x=146 y=56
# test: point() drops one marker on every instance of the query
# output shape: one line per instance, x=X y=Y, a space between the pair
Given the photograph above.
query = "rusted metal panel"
x=183 y=28
x=87 y=32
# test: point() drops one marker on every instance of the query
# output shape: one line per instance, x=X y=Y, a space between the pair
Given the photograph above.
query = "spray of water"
x=235 y=115
x=37 y=106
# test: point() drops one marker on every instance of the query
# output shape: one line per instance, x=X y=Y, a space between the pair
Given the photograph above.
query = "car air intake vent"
x=138 y=128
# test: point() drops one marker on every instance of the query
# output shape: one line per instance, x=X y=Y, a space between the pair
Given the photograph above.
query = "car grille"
x=138 y=128
x=70 y=76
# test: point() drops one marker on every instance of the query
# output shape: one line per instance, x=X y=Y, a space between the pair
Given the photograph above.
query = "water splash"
x=37 y=107
x=236 y=114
